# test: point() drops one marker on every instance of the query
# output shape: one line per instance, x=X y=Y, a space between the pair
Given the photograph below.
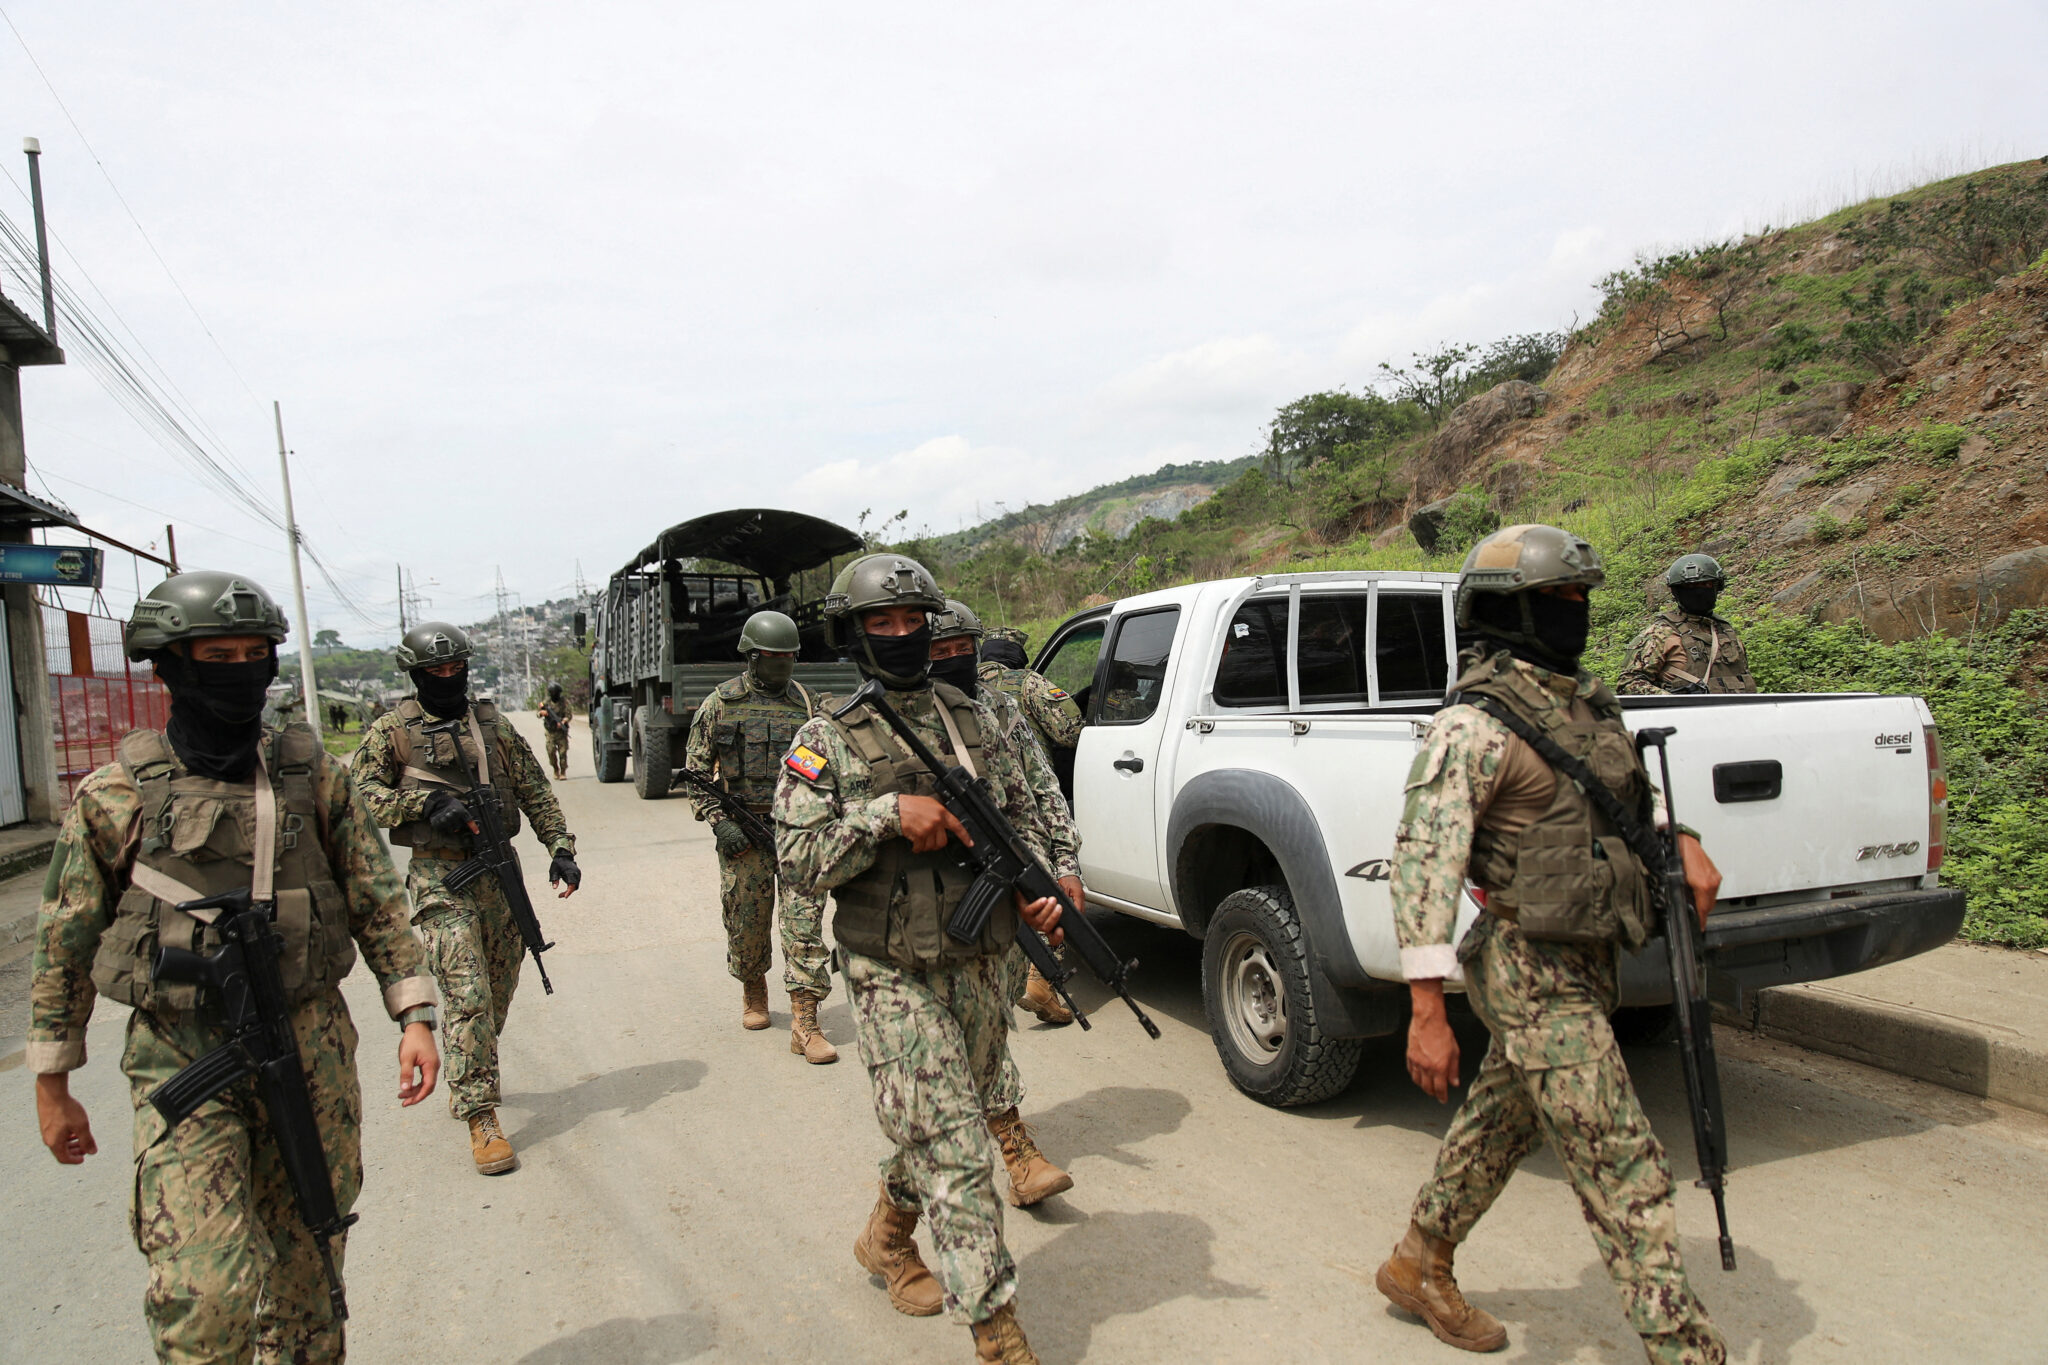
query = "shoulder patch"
x=1056 y=693
x=805 y=762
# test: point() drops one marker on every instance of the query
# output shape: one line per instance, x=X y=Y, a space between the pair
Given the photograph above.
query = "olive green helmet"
x=956 y=620
x=1694 y=568
x=1523 y=558
x=772 y=631
x=869 y=583
x=432 y=642
x=1010 y=633
x=190 y=606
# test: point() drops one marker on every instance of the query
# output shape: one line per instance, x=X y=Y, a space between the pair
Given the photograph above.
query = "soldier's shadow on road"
x=555 y=1112
x=1104 y=1122
x=1760 y=1313
x=1115 y=1264
x=630 y=1341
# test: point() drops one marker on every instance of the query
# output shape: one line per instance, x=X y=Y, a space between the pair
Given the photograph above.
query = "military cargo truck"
x=668 y=627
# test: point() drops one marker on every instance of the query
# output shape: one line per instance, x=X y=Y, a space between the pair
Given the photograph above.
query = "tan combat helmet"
x=1522 y=559
x=870 y=582
x=191 y=606
x=956 y=620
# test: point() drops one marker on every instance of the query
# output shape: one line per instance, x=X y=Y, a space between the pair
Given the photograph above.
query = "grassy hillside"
x=1850 y=413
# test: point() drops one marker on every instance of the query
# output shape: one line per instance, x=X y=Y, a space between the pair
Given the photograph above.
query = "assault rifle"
x=720 y=796
x=1005 y=865
x=244 y=977
x=494 y=856
x=1659 y=855
x=1695 y=1023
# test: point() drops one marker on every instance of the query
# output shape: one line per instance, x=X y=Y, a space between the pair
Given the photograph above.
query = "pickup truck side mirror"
x=581 y=625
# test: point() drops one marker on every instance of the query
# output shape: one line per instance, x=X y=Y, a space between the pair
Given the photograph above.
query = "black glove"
x=448 y=816
x=564 y=869
x=730 y=837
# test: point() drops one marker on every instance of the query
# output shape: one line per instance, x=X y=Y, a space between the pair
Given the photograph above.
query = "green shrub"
x=1904 y=499
x=1827 y=529
x=1469 y=517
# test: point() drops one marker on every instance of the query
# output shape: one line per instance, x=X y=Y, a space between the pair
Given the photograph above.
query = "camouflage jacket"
x=554 y=715
x=376 y=770
x=1458 y=775
x=829 y=825
x=1063 y=840
x=89 y=871
x=739 y=736
x=1051 y=711
x=1678 y=649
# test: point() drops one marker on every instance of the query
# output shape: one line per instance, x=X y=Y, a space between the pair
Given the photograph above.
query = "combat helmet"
x=1523 y=558
x=870 y=582
x=554 y=691
x=956 y=620
x=1694 y=568
x=432 y=642
x=190 y=606
x=1009 y=633
x=771 y=631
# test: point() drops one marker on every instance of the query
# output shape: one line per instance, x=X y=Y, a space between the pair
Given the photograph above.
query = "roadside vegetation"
x=1704 y=373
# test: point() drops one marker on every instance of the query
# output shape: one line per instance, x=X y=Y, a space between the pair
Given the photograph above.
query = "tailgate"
x=1851 y=802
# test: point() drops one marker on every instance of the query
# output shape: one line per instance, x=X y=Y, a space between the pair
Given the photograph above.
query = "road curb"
x=1962 y=1054
x=27 y=858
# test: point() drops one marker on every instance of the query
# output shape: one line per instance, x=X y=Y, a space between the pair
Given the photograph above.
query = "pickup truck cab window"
x=1136 y=677
x=1408 y=649
x=1253 y=668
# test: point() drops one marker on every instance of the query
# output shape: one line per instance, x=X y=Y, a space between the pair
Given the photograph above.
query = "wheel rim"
x=1254 y=999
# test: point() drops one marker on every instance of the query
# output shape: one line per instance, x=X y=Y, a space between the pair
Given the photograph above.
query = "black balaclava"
x=901 y=663
x=1536 y=627
x=957 y=670
x=444 y=698
x=770 y=673
x=216 y=717
x=1008 y=653
x=1696 y=599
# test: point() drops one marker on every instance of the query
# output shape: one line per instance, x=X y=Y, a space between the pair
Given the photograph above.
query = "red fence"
x=96 y=695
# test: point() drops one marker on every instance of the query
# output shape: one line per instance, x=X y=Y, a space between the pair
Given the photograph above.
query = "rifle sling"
x=1633 y=832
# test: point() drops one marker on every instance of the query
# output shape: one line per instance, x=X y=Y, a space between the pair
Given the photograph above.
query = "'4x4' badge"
x=1372 y=870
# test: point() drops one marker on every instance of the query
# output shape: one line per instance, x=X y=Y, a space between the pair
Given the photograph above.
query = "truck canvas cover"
x=764 y=540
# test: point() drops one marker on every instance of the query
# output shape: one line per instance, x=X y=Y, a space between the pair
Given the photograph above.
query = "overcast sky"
x=533 y=282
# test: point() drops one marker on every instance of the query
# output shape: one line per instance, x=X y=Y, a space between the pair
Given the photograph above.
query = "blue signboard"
x=59 y=566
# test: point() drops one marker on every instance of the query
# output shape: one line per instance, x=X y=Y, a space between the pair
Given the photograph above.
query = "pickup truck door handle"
x=1130 y=765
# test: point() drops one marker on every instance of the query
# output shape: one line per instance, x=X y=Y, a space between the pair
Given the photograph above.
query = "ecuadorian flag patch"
x=805 y=762
x=1055 y=693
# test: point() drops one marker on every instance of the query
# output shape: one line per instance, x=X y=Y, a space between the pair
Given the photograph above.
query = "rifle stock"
x=999 y=854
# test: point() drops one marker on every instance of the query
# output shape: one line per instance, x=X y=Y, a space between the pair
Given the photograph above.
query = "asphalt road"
x=691 y=1191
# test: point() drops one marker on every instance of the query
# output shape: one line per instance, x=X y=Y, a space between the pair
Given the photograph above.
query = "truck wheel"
x=1262 y=1014
x=1644 y=1025
x=651 y=766
x=609 y=762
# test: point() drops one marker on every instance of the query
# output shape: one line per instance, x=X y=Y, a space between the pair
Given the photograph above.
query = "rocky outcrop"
x=1477 y=423
x=1972 y=599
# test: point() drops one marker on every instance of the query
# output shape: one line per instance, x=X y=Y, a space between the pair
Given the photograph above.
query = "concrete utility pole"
x=291 y=526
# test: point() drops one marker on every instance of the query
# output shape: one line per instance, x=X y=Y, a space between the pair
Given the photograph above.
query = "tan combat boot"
x=1032 y=1177
x=1001 y=1339
x=1417 y=1277
x=885 y=1248
x=494 y=1155
x=1041 y=1000
x=754 y=1003
x=805 y=1039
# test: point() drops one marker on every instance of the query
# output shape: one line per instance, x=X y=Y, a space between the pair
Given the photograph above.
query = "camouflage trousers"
x=934 y=1044
x=475 y=952
x=233 y=1273
x=1553 y=1073
x=558 y=750
x=747 y=892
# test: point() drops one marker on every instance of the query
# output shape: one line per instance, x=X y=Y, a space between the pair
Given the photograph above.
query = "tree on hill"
x=1337 y=425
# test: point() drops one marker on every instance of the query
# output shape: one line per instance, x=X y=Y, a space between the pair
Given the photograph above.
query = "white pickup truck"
x=1240 y=776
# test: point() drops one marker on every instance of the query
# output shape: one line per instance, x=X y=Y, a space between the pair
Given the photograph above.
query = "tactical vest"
x=753 y=733
x=1569 y=876
x=195 y=837
x=1713 y=652
x=897 y=909
x=436 y=761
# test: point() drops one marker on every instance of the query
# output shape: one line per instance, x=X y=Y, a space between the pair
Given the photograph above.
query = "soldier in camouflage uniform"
x=742 y=730
x=409 y=781
x=1688 y=648
x=233 y=1273
x=1540 y=967
x=554 y=723
x=1052 y=713
x=1033 y=1178
x=856 y=817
